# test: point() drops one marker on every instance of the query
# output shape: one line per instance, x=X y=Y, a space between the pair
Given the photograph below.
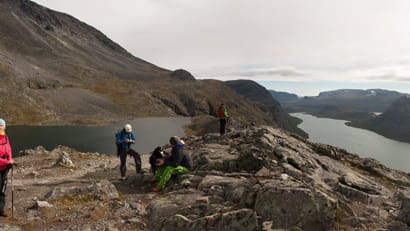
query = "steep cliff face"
x=260 y=97
x=394 y=122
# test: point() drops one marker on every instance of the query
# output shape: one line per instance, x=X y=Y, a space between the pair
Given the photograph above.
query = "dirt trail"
x=37 y=175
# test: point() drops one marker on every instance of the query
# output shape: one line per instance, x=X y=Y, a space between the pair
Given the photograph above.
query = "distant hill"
x=283 y=97
x=56 y=69
x=263 y=99
x=347 y=104
x=394 y=122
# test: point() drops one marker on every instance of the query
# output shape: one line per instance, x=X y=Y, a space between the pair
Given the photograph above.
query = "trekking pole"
x=12 y=193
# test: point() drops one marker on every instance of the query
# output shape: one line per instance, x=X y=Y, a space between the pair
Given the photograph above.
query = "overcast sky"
x=297 y=46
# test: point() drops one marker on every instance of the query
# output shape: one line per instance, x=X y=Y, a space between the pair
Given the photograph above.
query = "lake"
x=149 y=132
x=393 y=154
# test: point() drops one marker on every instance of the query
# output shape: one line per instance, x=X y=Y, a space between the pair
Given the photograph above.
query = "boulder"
x=41 y=204
x=288 y=204
x=404 y=211
x=103 y=190
x=168 y=205
x=240 y=220
x=65 y=161
x=211 y=180
x=360 y=183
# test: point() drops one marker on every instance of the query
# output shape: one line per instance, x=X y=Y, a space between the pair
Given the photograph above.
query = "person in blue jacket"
x=124 y=138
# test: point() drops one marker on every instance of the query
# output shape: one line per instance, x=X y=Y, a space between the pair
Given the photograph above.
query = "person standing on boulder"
x=222 y=113
x=178 y=163
x=6 y=162
x=124 y=139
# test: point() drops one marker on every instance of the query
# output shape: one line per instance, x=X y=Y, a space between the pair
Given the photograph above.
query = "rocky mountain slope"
x=250 y=179
x=261 y=98
x=394 y=122
x=346 y=104
x=56 y=69
x=283 y=97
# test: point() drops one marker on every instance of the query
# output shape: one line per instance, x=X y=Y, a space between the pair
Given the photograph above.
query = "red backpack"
x=219 y=113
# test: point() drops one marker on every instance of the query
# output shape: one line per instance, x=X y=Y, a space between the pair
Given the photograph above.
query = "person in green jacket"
x=178 y=163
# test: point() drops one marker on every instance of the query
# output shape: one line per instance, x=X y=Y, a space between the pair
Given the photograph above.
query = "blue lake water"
x=393 y=154
x=149 y=132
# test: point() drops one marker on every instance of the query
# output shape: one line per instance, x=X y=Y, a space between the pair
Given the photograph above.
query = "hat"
x=3 y=122
x=128 y=128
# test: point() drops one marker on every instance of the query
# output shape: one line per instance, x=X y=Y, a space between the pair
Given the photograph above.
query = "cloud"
x=272 y=72
x=266 y=40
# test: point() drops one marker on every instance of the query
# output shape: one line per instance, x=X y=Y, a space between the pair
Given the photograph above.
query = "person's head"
x=2 y=125
x=174 y=140
x=128 y=128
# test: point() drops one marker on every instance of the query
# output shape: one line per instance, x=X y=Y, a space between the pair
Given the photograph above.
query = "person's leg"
x=123 y=160
x=165 y=177
x=222 y=126
x=168 y=172
x=3 y=186
x=137 y=159
x=158 y=173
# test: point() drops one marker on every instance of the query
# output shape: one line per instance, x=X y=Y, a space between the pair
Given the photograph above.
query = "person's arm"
x=132 y=138
x=118 y=138
x=225 y=112
x=9 y=159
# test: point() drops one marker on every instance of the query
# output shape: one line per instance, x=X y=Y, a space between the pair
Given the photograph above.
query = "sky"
x=297 y=46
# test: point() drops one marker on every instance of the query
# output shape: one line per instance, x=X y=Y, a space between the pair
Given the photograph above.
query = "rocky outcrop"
x=284 y=181
x=182 y=74
x=253 y=179
x=261 y=97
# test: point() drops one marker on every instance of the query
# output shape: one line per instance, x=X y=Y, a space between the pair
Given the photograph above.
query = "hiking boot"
x=123 y=178
x=156 y=189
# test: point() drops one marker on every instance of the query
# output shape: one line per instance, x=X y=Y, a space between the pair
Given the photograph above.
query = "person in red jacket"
x=6 y=162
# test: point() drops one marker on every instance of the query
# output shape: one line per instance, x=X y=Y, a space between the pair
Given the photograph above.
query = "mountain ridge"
x=58 y=70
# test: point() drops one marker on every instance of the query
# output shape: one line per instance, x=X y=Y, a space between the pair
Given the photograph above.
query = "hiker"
x=124 y=138
x=158 y=153
x=222 y=113
x=6 y=162
x=178 y=163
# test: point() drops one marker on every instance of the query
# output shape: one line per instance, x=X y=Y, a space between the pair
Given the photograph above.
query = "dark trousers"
x=222 y=127
x=3 y=186
x=123 y=159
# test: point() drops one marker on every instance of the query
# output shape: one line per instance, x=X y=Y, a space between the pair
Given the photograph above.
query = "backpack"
x=220 y=113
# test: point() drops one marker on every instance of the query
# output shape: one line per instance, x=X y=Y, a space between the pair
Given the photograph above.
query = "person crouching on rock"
x=124 y=139
x=6 y=162
x=178 y=163
x=158 y=153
